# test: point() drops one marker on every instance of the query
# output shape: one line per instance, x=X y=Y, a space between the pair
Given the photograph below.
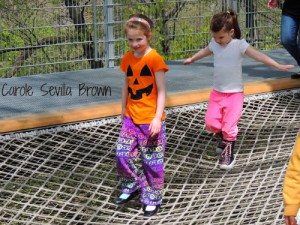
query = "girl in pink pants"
x=226 y=100
x=222 y=116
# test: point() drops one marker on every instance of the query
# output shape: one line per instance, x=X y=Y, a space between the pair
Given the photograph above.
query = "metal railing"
x=39 y=37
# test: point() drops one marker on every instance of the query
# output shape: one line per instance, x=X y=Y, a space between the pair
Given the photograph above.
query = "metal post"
x=96 y=39
x=234 y=5
x=109 y=35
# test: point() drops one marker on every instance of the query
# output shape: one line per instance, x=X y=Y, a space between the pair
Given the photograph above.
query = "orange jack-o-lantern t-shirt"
x=142 y=89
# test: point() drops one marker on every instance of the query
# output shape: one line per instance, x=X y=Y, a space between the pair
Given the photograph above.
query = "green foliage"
x=8 y=39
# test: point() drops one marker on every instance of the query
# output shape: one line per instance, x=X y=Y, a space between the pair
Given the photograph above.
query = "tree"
x=76 y=13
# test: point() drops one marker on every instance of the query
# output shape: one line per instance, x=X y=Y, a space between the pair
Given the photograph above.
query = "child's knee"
x=212 y=124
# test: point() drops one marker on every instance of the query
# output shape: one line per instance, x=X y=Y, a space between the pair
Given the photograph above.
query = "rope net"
x=66 y=174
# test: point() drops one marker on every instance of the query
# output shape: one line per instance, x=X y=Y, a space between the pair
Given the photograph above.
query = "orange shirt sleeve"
x=159 y=64
x=124 y=62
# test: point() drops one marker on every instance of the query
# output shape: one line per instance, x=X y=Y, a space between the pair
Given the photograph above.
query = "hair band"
x=141 y=20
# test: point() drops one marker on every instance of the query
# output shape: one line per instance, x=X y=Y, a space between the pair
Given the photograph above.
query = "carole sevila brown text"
x=46 y=89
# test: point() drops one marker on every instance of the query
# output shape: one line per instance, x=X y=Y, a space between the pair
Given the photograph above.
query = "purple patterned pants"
x=149 y=177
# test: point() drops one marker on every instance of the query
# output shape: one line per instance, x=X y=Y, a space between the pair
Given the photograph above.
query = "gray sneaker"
x=227 y=160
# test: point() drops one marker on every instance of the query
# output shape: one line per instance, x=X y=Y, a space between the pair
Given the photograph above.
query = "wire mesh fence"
x=39 y=37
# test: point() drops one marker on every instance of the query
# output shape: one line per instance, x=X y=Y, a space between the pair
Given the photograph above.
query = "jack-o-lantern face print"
x=136 y=87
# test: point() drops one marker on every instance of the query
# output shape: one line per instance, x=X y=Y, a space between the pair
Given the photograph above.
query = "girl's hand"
x=284 y=67
x=188 y=61
x=272 y=4
x=155 y=126
x=290 y=220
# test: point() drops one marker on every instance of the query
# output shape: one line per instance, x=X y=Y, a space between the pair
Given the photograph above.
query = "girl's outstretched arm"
x=160 y=80
x=261 y=57
x=199 y=55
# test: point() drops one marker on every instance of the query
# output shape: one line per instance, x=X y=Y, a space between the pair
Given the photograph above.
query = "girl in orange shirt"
x=143 y=130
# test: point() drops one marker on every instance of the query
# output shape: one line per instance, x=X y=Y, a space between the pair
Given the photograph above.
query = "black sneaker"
x=152 y=212
x=227 y=160
x=220 y=145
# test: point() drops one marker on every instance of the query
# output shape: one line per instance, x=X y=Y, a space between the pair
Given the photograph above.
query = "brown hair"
x=139 y=22
x=227 y=21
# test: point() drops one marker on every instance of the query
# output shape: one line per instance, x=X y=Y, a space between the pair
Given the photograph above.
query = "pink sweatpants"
x=223 y=113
